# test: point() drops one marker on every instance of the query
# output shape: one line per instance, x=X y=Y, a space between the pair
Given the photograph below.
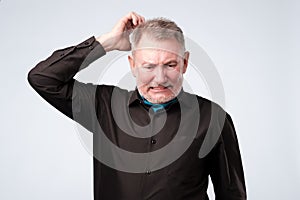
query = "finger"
x=135 y=21
x=128 y=18
x=140 y=18
x=134 y=18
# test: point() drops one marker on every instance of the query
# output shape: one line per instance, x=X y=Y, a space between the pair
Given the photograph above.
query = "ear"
x=132 y=65
x=185 y=61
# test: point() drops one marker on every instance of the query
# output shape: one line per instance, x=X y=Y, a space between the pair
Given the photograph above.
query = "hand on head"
x=118 y=37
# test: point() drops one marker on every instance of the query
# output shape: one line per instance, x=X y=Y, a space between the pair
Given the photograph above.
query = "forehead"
x=155 y=56
x=158 y=49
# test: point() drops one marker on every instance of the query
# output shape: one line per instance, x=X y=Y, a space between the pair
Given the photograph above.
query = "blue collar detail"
x=156 y=107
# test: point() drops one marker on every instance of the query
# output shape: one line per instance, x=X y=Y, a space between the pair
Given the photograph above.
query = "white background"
x=253 y=44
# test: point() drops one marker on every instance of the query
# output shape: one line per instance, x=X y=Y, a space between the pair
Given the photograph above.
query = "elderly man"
x=158 y=131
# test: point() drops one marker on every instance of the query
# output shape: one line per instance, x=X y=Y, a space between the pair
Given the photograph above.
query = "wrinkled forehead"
x=166 y=46
x=156 y=56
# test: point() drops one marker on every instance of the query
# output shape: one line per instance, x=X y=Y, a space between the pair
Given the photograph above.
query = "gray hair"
x=158 y=29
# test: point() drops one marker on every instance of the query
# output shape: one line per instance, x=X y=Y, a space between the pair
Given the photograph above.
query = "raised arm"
x=53 y=78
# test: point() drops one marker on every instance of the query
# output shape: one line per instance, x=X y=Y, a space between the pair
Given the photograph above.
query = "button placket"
x=148 y=172
x=153 y=141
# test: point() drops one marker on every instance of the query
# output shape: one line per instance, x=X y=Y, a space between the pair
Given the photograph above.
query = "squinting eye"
x=148 y=67
x=171 y=66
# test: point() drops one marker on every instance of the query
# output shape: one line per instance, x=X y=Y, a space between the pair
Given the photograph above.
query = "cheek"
x=144 y=78
x=175 y=77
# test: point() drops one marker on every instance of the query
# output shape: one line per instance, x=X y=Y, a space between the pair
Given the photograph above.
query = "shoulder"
x=205 y=104
x=213 y=113
x=108 y=92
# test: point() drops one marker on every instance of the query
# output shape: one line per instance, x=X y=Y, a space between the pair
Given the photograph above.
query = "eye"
x=171 y=65
x=148 y=67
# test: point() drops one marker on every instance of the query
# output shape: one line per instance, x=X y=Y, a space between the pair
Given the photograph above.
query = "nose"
x=160 y=75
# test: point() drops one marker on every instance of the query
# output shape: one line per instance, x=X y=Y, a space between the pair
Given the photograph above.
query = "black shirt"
x=140 y=154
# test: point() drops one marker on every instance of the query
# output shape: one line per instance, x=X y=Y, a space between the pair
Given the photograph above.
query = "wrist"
x=105 y=41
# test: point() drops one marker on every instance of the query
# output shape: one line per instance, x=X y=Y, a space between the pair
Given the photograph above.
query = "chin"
x=158 y=99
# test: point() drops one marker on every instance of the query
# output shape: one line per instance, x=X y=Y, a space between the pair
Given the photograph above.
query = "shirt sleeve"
x=226 y=165
x=53 y=80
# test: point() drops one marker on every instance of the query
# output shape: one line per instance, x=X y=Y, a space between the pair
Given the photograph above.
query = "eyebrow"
x=148 y=64
x=167 y=63
x=171 y=62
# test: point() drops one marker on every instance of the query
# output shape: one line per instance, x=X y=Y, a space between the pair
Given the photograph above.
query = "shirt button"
x=148 y=172
x=153 y=141
x=91 y=47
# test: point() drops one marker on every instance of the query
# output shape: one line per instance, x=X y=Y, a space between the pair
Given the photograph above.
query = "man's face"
x=158 y=67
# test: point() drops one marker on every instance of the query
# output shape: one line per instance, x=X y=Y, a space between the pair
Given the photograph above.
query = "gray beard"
x=162 y=99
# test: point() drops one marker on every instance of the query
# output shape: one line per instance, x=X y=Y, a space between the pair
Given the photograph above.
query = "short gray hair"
x=158 y=29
